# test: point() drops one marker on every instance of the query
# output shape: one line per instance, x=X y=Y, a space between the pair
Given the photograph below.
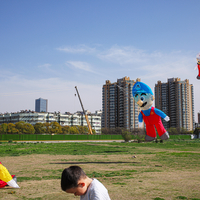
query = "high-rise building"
x=41 y=105
x=176 y=99
x=118 y=106
x=199 y=118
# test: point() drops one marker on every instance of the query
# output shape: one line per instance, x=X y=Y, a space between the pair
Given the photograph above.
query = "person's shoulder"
x=97 y=185
x=98 y=191
x=96 y=182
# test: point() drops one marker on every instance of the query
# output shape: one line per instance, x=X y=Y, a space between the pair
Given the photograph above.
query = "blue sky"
x=49 y=47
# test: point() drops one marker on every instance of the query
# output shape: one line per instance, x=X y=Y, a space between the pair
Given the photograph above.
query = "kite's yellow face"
x=198 y=61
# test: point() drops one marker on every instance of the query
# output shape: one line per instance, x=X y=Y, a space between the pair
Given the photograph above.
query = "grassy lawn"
x=156 y=171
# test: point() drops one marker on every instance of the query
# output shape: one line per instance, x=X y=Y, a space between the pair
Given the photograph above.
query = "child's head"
x=72 y=180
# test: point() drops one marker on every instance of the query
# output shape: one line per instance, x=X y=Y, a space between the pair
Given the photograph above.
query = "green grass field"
x=157 y=171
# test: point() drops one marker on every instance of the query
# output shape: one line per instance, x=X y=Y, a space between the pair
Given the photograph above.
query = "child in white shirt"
x=74 y=180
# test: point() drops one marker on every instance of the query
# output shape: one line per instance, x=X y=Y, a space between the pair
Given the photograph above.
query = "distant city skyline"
x=49 y=47
x=40 y=103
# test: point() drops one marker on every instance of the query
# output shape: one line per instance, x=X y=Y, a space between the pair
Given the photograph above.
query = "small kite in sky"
x=198 y=65
x=6 y=178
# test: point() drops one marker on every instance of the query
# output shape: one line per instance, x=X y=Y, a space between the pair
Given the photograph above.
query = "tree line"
x=55 y=128
x=42 y=128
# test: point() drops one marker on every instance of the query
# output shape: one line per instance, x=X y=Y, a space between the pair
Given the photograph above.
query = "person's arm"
x=140 y=120
x=161 y=114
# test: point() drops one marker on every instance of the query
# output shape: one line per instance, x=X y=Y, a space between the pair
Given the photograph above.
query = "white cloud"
x=46 y=65
x=78 y=49
x=169 y=65
x=129 y=55
x=80 y=65
x=152 y=64
x=123 y=55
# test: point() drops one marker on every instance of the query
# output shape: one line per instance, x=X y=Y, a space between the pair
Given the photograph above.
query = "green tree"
x=126 y=135
x=24 y=128
x=55 y=128
x=29 y=129
x=65 y=129
x=73 y=130
x=40 y=128
x=93 y=131
x=12 y=129
x=118 y=131
x=172 y=131
x=86 y=130
x=80 y=129
x=20 y=127
x=3 y=128
x=182 y=131
x=139 y=133
x=47 y=127
x=105 y=131
x=197 y=131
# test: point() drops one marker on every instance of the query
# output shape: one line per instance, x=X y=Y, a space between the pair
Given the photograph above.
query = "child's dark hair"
x=71 y=176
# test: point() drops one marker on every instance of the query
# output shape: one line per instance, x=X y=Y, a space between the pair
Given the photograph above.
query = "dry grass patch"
x=141 y=172
x=124 y=176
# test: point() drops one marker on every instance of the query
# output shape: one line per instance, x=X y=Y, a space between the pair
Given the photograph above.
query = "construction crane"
x=86 y=117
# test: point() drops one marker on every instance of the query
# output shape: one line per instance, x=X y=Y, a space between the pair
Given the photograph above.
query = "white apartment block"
x=66 y=119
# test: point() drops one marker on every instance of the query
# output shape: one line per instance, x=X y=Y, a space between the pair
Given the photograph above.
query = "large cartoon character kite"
x=143 y=96
x=6 y=178
x=198 y=65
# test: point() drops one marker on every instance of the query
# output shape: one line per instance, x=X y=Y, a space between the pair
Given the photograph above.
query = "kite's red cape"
x=3 y=184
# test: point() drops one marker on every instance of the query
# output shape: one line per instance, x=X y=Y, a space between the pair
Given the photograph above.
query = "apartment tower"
x=118 y=106
x=176 y=99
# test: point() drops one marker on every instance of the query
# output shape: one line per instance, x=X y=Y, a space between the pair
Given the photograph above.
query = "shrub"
x=126 y=135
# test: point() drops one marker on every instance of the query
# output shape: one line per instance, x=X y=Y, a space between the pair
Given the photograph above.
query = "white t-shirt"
x=96 y=191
